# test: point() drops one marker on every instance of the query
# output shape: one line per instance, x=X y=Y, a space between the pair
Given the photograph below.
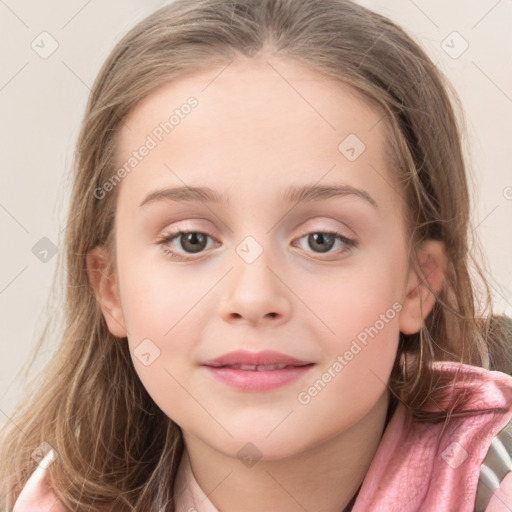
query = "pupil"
x=197 y=242
x=318 y=240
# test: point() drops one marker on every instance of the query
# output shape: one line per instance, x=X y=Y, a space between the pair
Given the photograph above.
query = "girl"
x=269 y=304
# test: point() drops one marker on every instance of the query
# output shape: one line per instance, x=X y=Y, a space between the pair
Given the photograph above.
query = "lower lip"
x=254 y=380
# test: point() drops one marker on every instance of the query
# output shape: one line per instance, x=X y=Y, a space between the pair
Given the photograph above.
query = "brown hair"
x=116 y=448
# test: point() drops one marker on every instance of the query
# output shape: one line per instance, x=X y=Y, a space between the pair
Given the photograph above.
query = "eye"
x=192 y=242
x=324 y=241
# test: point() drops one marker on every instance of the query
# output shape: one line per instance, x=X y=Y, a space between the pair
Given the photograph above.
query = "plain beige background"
x=42 y=99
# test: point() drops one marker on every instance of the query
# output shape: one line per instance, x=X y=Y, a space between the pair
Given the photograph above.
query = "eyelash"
x=169 y=237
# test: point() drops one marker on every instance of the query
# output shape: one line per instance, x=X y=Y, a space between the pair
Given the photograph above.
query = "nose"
x=255 y=292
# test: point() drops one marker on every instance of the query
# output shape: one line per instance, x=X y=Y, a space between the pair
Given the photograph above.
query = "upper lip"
x=266 y=357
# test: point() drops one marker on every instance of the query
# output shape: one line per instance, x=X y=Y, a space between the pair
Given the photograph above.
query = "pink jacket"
x=416 y=466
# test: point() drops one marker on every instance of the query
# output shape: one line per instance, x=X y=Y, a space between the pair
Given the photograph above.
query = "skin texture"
x=251 y=136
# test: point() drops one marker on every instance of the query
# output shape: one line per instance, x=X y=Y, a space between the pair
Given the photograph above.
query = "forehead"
x=274 y=91
x=255 y=124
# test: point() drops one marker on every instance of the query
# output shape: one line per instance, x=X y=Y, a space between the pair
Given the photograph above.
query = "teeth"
x=271 y=367
x=260 y=367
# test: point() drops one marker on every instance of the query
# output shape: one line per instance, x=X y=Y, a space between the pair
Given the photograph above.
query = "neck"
x=326 y=477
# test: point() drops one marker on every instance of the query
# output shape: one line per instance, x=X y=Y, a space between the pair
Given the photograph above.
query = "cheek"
x=161 y=342
x=165 y=314
x=355 y=299
x=359 y=349
x=159 y=315
x=361 y=353
x=362 y=309
x=156 y=301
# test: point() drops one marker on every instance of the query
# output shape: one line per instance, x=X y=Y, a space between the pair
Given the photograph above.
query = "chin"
x=255 y=446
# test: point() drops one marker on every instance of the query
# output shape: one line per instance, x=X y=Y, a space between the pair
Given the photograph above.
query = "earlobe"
x=103 y=282
x=421 y=284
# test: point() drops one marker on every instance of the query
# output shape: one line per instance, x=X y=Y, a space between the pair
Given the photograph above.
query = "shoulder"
x=475 y=391
x=495 y=384
x=437 y=466
x=479 y=444
x=36 y=495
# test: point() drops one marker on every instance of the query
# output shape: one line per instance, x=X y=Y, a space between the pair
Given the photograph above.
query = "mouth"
x=256 y=372
x=259 y=367
x=265 y=360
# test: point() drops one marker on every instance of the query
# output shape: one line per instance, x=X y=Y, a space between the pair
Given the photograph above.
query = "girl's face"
x=259 y=271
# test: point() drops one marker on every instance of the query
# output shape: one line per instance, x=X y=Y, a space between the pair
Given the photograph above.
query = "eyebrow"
x=294 y=194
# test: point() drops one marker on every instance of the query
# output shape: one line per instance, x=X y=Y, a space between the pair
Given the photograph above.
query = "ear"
x=419 y=299
x=103 y=281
